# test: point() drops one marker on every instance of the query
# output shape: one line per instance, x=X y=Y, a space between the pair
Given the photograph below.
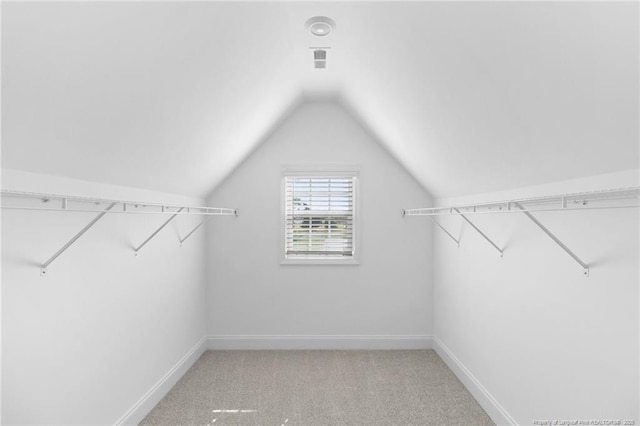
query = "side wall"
x=103 y=328
x=254 y=302
x=529 y=330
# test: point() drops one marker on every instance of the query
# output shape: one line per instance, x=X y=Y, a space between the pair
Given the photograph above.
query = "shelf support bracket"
x=585 y=267
x=202 y=222
x=173 y=216
x=45 y=265
x=479 y=231
x=445 y=231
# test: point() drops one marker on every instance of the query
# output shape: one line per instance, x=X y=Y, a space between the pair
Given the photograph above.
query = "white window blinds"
x=319 y=217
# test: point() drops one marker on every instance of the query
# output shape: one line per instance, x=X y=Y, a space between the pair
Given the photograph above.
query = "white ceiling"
x=469 y=97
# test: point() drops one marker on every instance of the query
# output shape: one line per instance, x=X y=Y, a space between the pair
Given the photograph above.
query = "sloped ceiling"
x=469 y=97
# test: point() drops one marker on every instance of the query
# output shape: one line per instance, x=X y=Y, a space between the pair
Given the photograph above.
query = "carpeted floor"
x=318 y=388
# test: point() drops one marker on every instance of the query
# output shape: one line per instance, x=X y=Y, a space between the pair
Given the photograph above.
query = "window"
x=319 y=222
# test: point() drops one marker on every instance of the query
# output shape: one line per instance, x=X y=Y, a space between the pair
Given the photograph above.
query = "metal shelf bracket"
x=544 y=229
x=173 y=216
x=479 y=232
x=202 y=222
x=445 y=231
x=45 y=265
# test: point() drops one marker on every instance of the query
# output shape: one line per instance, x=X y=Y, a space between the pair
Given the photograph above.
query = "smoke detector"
x=320 y=26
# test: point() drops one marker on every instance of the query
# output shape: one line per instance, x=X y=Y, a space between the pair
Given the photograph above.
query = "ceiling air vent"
x=320 y=58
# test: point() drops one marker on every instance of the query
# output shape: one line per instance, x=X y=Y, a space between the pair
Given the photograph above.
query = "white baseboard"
x=493 y=408
x=149 y=400
x=266 y=342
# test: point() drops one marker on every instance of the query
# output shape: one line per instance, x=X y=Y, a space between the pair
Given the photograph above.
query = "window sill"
x=345 y=262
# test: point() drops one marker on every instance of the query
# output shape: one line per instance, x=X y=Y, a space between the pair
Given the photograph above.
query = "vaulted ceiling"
x=468 y=96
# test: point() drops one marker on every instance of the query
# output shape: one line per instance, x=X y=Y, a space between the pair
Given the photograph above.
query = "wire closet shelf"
x=606 y=199
x=15 y=200
x=18 y=200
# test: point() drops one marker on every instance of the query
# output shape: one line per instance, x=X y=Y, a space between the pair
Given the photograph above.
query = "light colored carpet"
x=289 y=388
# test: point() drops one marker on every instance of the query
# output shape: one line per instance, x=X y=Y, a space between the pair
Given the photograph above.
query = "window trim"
x=328 y=170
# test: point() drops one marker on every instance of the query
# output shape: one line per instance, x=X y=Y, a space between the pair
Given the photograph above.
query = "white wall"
x=82 y=344
x=544 y=341
x=256 y=302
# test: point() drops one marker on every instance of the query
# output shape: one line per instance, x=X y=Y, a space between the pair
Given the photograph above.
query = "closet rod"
x=595 y=200
x=127 y=206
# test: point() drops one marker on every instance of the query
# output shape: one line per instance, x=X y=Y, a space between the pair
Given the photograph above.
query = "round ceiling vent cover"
x=320 y=25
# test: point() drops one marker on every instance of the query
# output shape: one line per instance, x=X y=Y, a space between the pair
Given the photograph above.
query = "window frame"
x=325 y=170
